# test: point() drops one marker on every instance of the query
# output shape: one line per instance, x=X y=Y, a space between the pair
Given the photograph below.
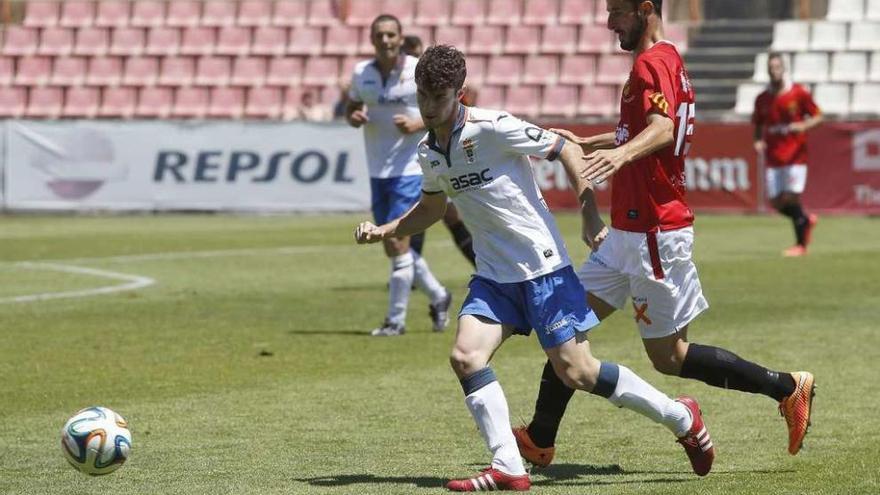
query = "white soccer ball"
x=96 y=441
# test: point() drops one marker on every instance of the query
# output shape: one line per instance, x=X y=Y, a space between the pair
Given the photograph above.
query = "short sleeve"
x=808 y=105
x=430 y=181
x=522 y=138
x=657 y=87
x=353 y=90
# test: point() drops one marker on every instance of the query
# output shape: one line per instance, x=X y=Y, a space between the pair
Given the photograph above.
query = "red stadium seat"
x=56 y=41
x=600 y=15
x=523 y=39
x=322 y=13
x=148 y=13
x=523 y=101
x=365 y=47
x=347 y=68
x=45 y=103
x=113 y=13
x=363 y=12
x=213 y=71
x=491 y=97
x=613 y=68
x=218 y=13
x=469 y=13
x=190 y=103
x=263 y=103
x=7 y=69
x=248 y=71
x=541 y=69
x=405 y=11
x=425 y=34
x=33 y=71
x=305 y=41
x=341 y=40
x=154 y=102
x=541 y=12
x=184 y=13
x=13 y=101
x=77 y=13
x=289 y=14
x=598 y=100
x=476 y=70
x=284 y=71
x=140 y=71
x=104 y=71
x=486 y=40
x=127 y=41
x=321 y=71
x=560 y=100
x=163 y=41
x=578 y=69
x=678 y=34
x=118 y=102
x=177 y=71
x=68 y=71
x=18 y=40
x=595 y=39
x=92 y=41
x=290 y=103
x=577 y=11
x=559 y=39
x=81 y=102
x=504 y=12
x=41 y=13
x=254 y=13
x=506 y=70
x=269 y=40
x=233 y=40
x=456 y=36
x=226 y=103
x=432 y=12
x=198 y=41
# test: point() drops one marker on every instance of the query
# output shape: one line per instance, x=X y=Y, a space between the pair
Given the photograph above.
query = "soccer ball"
x=96 y=441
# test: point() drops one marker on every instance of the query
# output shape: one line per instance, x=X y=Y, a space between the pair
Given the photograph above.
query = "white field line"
x=132 y=282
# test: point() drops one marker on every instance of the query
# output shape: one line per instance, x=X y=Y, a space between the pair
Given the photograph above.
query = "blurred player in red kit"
x=784 y=113
x=646 y=255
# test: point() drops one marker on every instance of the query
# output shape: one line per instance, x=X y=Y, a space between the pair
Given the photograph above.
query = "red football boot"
x=491 y=479
x=696 y=442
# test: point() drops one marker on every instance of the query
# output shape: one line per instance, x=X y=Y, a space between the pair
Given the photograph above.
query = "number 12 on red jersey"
x=685 y=115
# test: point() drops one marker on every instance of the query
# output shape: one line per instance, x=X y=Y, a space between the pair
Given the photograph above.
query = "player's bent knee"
x=580 y=376
x=464 y=362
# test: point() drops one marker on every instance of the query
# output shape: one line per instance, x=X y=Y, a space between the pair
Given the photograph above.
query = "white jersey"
x=488 y=175
x=390 y=153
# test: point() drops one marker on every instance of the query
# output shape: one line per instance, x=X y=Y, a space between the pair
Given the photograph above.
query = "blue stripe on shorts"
x=554 y=305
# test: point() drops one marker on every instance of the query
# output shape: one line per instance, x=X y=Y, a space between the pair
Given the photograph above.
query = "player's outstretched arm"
x=588 y=144
x=425 y=213
x=659 y=134
x=593 y=229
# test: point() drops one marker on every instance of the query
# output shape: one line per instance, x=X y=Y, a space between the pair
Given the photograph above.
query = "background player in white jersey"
x=383 y=102
x=524 y=279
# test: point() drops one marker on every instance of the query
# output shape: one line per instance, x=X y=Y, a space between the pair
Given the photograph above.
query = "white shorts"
x=655 y=270
x=791 y=178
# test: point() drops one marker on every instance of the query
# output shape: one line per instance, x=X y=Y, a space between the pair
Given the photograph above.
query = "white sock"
x=640 y=396
x=399 y=287
x=426 y=281
x=488 y=406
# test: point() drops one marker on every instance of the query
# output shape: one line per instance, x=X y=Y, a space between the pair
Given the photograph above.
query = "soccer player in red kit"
x=646 y=254
x=784 y=112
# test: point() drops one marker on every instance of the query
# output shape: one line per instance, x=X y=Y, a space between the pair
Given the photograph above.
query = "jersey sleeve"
x=519 y=137
x=808 y=105
x=354 y=94
x=657 y=87
x=430 y=182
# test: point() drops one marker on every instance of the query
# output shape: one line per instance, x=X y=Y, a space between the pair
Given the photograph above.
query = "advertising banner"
x=86 y=165
x=721 y=170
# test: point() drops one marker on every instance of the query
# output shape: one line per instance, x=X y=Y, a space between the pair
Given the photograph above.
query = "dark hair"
x=658 y=6
x=441 y=67
x=411 y=41
x=384 y=18
x=772 y=55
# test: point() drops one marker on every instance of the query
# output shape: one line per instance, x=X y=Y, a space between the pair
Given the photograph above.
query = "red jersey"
x=648 y=194
x=775 y=112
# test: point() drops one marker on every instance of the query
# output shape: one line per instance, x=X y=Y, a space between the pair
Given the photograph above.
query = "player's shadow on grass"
x=371 y=479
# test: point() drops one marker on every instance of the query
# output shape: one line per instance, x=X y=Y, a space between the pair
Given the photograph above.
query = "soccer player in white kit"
x=524 y=279
x=383 y=102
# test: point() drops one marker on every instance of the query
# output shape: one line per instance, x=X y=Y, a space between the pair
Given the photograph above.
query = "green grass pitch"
x=245 y=368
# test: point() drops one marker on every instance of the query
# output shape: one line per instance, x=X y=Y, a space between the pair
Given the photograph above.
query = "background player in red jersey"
x=784 y=112
x=646 y=254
